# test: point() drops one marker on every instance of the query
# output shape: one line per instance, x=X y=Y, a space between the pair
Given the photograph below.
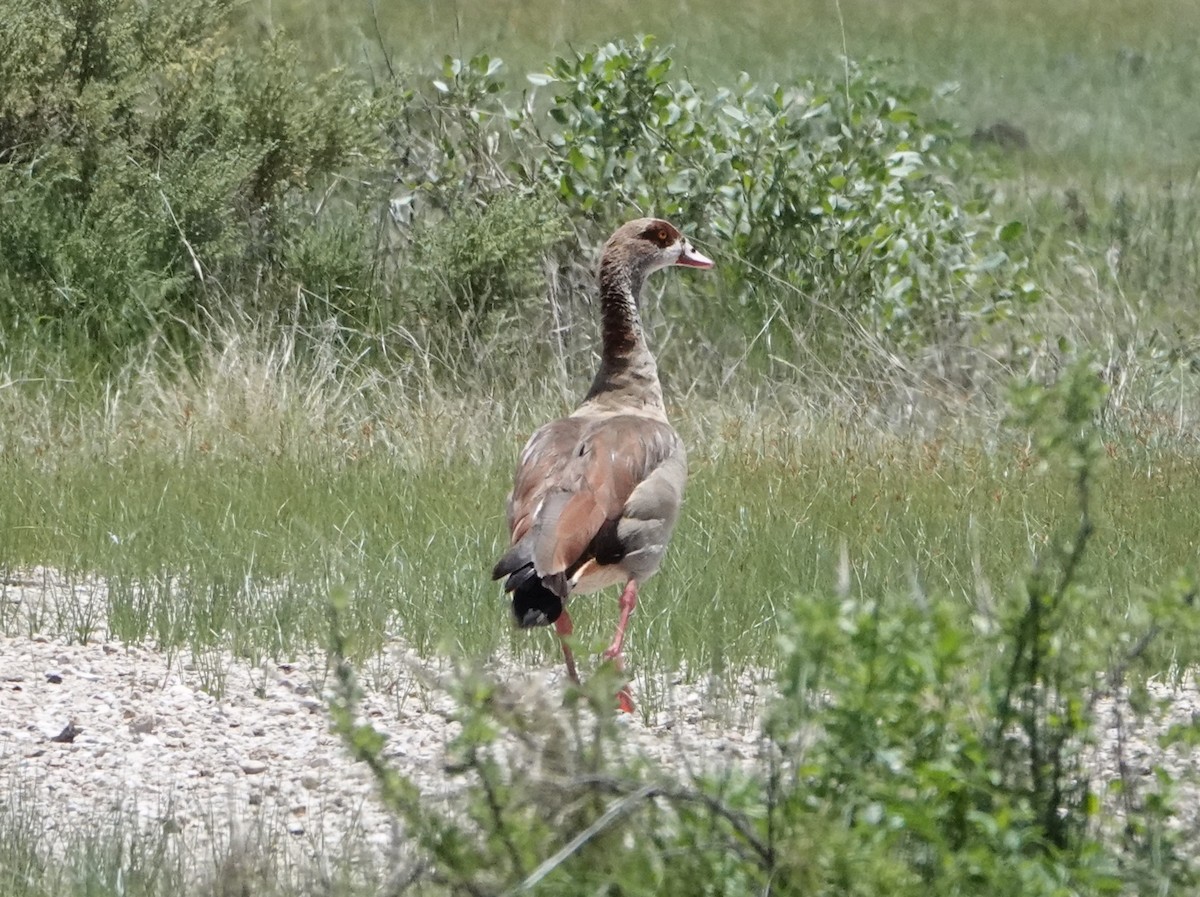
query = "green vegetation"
x=911 y=750
x=272 y=331
x=149 y=171
x=1102 y=90
x=228 y=526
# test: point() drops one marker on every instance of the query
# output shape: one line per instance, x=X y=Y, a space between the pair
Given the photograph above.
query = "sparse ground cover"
x=237 y=545
x=280 y=338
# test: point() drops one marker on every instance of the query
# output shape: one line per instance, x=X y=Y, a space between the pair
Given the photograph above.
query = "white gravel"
x=143 y=741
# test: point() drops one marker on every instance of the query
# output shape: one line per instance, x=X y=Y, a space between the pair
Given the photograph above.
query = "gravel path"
x=128 y=734
x=106 y=731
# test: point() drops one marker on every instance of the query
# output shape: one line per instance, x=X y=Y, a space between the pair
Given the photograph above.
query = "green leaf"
x=1011 y=231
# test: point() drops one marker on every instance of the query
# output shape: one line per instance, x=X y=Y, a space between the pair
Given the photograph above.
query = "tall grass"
x=222 y=511
x=113 y=856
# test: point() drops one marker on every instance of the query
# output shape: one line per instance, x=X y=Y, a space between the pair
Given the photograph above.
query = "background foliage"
x=150 y=174
x=166 y=181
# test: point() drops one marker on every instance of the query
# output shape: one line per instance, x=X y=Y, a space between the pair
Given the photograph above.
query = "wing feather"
x=574 y=477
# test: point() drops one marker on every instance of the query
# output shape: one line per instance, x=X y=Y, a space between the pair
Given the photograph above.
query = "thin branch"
x=199 y=269
x=738 y=822
x=617 y=810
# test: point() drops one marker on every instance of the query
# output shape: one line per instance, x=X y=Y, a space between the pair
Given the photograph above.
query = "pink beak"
x=690 y=258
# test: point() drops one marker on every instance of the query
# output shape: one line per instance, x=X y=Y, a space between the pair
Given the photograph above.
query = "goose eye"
x=661 y=237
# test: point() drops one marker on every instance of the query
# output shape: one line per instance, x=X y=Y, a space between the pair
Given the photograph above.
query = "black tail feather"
x=517 y=559
x=535 y=601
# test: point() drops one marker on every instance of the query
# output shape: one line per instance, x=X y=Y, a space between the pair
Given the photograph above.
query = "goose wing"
x=591 y=490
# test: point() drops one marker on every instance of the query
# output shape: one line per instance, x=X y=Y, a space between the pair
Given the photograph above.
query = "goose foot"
x=624 y=700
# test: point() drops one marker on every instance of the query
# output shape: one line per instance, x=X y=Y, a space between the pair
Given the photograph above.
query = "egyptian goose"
x=596 y=494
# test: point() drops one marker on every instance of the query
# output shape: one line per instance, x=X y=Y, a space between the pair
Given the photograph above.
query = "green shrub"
x=837 y=212
x=481 y=260
x=161 y=176
x=153 y=173
x=835 y=199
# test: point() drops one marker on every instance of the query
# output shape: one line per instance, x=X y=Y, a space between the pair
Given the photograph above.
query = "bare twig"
x=619 y=808
x=183 y=237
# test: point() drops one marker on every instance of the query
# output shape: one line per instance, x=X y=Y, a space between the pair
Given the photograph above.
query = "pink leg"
x=564 y=627
x=627 y=603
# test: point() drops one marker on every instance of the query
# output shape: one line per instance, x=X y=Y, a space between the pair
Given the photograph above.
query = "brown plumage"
x=597 y=494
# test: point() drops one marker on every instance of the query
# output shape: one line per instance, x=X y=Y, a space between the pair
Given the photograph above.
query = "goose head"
x=645 y=245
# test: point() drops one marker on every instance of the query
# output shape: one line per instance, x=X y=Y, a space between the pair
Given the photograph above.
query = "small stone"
x=310 y=780
x=67 y=735
x=295 y=828
x=54 y=677
x=252 y=767
x=144 y=724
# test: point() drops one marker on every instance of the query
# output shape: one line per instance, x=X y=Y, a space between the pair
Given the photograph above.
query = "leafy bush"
x=913 y=749
x=839 y=191
x=152 y=173
x=159 y=176
x=833 y=207
x=481 y=260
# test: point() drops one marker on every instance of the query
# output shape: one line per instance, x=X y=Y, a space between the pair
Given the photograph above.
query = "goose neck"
x=620 y=321
x=627 y=369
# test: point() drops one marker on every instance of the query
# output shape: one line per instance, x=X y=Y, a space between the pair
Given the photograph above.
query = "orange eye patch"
x=660 y=235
